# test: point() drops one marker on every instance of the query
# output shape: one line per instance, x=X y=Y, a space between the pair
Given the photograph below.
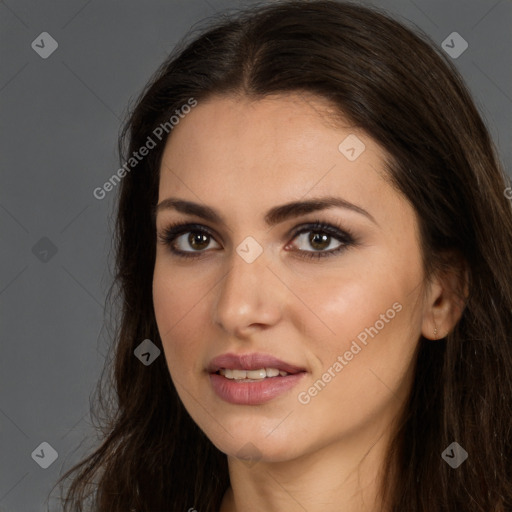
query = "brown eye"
x=188 y=240
x=314 y=241
x=198 y=241
x=193 y=241
x=319 y=241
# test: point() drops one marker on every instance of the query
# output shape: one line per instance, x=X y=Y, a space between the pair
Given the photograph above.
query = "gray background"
x=60 y=119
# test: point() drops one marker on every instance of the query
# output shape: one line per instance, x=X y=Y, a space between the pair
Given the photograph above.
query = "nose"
x=249 y=297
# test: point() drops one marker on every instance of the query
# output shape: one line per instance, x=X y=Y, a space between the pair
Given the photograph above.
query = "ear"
x=446 y=297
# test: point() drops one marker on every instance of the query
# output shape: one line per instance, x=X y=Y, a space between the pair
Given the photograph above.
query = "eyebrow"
x=272 y=217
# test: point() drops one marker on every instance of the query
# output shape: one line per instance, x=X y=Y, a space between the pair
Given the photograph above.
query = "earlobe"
x=445 y=302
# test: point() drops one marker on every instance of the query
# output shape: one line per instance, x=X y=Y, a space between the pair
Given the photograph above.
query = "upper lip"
x=250 y=362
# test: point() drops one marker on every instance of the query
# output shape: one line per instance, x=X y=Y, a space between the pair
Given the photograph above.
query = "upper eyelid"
x=191 y=225
x=186 y=227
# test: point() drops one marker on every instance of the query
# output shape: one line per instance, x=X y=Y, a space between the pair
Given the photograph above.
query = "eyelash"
x=343 y=235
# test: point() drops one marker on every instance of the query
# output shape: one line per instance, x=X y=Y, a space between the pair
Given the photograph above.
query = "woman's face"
x=257 y=285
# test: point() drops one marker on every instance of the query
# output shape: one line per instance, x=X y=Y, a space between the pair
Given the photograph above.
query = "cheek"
x=372 y=320
x=341 y=307
x=177 y=306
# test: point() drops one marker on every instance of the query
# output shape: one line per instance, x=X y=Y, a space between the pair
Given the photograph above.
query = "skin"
x=242 y=157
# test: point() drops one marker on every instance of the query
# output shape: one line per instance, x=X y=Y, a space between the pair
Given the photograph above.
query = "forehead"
x=278 y=125
x=244 y=152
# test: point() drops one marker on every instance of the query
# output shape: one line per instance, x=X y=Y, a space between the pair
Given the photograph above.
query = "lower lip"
x=253 y=393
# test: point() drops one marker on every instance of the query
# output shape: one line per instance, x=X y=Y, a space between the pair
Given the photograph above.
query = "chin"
x=260 y=446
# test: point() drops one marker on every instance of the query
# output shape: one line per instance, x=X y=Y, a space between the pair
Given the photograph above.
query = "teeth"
x=251 y=374
x=256 y=374
x=272 y=372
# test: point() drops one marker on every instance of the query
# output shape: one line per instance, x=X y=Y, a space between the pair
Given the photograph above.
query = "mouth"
x=252 y=379
x=252 y=366
x=251 y=375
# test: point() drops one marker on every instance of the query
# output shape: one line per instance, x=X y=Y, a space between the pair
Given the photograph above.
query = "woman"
x=318 y=242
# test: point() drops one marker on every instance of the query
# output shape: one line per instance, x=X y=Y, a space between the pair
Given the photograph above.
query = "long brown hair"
x=402 y=91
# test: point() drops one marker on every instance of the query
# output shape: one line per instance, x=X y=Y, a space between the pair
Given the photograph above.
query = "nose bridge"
x=248 y=294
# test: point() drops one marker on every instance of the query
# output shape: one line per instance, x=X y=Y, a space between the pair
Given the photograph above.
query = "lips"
x=251 y=362
x=226 y=369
